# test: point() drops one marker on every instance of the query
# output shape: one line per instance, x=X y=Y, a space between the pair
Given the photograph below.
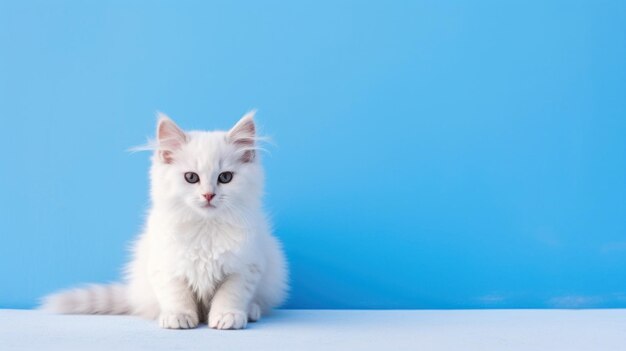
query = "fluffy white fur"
x=197 y=261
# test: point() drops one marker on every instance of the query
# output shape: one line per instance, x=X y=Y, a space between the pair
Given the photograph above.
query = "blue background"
x=426 y=154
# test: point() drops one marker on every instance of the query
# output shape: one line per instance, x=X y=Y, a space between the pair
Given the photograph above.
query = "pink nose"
x=209 y=196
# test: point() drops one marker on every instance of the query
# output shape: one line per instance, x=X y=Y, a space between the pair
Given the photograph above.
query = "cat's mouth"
x=208 y=205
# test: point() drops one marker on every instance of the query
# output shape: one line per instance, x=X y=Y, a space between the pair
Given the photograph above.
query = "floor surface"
x=329 y=330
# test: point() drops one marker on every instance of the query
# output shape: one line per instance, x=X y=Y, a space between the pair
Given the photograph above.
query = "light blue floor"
x=532 y=330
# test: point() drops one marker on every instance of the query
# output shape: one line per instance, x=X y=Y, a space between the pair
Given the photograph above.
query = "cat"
x=207 y=253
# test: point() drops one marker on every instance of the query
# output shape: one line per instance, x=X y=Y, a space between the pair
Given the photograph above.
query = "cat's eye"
x=192 y=177
x=225 y=177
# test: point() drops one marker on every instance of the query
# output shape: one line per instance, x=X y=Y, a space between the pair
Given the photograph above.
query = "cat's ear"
x=243 y=135
x=170 y=138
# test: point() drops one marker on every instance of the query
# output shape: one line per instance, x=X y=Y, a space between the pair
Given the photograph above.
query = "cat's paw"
x=228 y=320
x=254 y=312
x=169 y=320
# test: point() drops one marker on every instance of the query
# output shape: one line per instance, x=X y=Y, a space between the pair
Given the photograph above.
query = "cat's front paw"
x=228 y=320
x=170 y=320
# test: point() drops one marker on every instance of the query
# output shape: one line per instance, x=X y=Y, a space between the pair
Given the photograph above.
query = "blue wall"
x=427 y=154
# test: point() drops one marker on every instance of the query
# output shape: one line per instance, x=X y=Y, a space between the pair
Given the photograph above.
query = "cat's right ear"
x=170 y=138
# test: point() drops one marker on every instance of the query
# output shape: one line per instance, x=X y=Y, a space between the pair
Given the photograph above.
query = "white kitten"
x=206 y=254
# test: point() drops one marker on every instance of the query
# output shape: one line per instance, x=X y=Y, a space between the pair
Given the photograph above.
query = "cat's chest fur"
x=205 y=253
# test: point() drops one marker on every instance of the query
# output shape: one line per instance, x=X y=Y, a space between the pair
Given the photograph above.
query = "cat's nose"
x=209 y=196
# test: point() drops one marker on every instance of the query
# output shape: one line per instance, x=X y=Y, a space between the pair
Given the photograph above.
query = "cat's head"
x=206 y=173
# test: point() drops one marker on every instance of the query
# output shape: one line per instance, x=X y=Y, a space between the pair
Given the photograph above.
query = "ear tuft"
x=169 y=137
x=243 y=135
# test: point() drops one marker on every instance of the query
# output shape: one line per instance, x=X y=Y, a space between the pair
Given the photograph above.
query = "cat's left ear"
x=243 y=136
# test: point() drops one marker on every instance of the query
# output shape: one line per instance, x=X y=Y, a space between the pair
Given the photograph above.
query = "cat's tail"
x=92 y=299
